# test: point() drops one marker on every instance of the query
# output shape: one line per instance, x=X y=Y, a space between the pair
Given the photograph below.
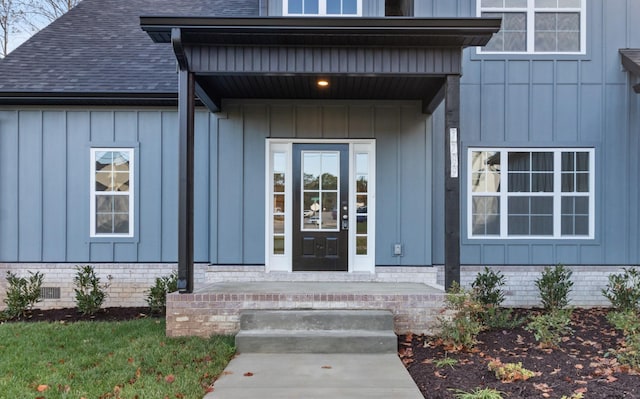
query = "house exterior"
x=449 y=136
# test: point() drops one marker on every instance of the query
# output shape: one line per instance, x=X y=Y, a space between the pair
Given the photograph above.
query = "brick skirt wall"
x=128 y=282
x=520 y=289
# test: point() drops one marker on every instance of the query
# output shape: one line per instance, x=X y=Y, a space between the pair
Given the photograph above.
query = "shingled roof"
x=99 y=50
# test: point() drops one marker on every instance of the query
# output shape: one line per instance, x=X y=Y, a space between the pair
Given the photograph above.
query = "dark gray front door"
x=320 y=207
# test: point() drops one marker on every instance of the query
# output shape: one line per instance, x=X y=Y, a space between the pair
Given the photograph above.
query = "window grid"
x=322 y=8
x=492 y=8
x=571 y=209
x=112 y=192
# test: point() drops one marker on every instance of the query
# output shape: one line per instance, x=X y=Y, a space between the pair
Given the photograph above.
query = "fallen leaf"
x=437 y=374
x=42 y=387
x=248 y=374
x=170 y=378
x=327 y=367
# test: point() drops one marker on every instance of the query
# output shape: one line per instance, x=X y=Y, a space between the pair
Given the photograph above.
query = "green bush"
x=554 y=287
x=487 y=288
x=623 y=290
x=89 y=293
x=22 y=294
x=628 y=322
x=460 y=327
x=549 y=328
x=157 y=294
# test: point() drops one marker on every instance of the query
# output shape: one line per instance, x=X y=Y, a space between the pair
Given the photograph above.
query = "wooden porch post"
x=186 y=105
x=452 y=181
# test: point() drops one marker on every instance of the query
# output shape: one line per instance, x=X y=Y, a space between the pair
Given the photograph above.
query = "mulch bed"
x=582 y=364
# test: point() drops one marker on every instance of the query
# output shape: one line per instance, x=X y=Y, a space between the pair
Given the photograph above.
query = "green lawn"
x=132 y=359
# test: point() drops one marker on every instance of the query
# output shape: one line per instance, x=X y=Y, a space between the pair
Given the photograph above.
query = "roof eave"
x=83 y=98
x=460 y=32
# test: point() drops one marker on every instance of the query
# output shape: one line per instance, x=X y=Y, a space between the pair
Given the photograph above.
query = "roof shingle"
x=99 y=47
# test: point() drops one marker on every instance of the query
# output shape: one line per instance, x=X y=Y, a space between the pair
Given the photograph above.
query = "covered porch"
x=326 y=59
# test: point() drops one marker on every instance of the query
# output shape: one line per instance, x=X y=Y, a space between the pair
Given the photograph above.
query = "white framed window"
x=329 y=8
x=531 y=193
x=111 y=200
x=536 y=26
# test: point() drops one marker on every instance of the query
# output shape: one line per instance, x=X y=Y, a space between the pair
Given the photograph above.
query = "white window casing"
x=112 y=189
x=538 y=17
x=510 y=201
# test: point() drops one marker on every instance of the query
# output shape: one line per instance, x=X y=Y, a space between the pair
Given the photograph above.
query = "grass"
x=445 y=362
x=107 y=360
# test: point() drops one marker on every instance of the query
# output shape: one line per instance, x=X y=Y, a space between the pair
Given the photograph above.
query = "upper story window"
x=332 y=8
x=536 y=26
x=111 y=192
x=531 y=193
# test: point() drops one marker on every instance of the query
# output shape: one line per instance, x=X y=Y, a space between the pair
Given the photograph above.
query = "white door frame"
x=278 y=154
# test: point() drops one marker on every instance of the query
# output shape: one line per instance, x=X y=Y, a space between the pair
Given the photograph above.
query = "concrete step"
x=316 y=341
x=371 y=320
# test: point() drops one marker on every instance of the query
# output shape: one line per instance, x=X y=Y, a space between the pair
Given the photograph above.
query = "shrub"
x=479 y=393
x=554 y=287
x=461 y=326
x=157 y=295
x=629 y=323
x=22 y=294
x=549 y=328
x=89 y=293
x=487 y=288
x=623 y=290
x=510 y=372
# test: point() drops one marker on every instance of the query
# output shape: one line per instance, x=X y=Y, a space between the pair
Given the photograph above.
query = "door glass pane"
x=329 y=171
x=278 y=203
x=361 y=245
x=278 y=224
x=329 y=213
x=311 y=210
x=311 y=172
x=278 y=245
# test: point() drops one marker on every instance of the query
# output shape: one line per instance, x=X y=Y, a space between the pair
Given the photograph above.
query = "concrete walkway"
x=315 y=376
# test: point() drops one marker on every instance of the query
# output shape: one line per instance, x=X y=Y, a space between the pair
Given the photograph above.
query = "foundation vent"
x=50 y=292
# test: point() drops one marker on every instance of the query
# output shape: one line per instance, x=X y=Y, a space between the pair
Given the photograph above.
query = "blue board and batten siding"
x=555 y=101
x=45 y=155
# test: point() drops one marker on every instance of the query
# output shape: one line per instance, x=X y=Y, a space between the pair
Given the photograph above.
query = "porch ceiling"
x=631 y=61
x=283 y=58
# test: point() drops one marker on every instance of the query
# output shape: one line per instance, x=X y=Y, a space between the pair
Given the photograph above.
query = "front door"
x=320 y=207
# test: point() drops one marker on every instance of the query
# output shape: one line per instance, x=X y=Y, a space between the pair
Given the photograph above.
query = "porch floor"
x=215 y=308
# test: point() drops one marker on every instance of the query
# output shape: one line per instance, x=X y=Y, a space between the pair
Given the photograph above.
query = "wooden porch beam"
x=452 y=181
x=186 y=106
x=430 y=107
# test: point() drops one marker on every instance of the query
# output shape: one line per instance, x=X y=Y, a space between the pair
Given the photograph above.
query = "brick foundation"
x=207 y=314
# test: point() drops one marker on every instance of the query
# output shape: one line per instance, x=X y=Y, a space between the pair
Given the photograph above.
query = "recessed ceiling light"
x=323 y=83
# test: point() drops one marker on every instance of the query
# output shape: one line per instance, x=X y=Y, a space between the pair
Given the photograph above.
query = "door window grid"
x=320 y=190
x=334 y=8
x=536 y=26
x=279 y=177
x=111 y=196
x=548 y=194
x=362 y=200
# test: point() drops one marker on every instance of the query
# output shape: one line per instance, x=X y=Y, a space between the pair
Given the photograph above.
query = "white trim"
x=93 y=193
x=557 y=193
x=530 y=11
x=283 y=263
x=322 y=10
